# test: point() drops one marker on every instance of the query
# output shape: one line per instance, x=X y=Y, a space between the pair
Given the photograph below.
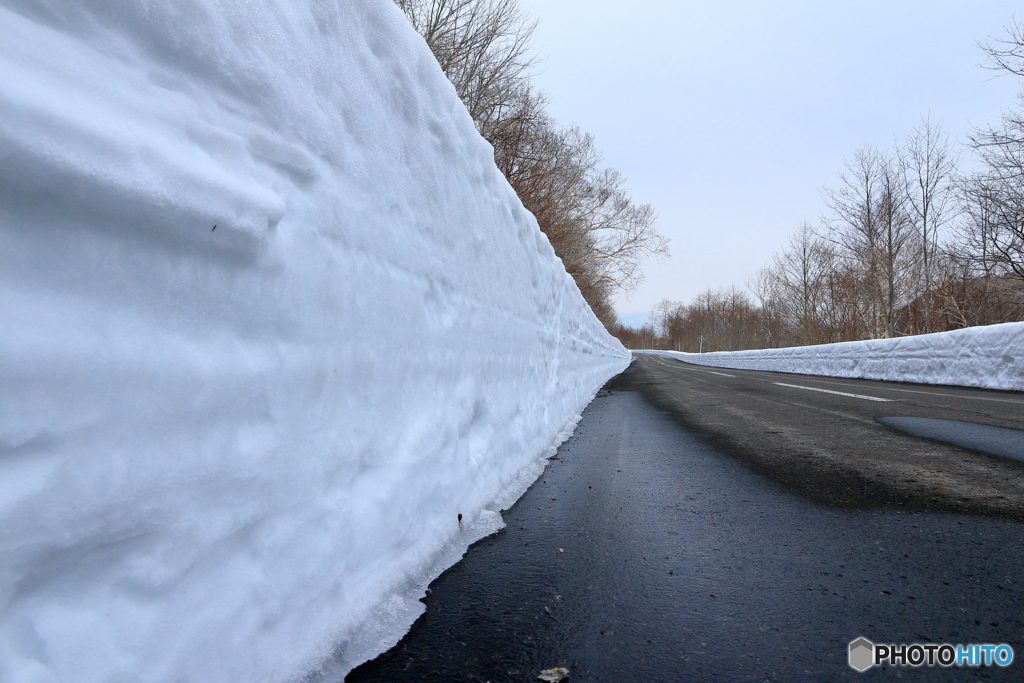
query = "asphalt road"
x=703 y=527
x=843 y=441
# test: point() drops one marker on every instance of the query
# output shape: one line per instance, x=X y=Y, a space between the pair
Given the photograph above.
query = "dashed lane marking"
x=837 y=393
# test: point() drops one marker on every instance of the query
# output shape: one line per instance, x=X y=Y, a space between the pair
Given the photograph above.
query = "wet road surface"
x=652 y=552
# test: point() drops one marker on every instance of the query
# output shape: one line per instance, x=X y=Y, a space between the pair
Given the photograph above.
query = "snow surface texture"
x=231 y=453
x=990 y=357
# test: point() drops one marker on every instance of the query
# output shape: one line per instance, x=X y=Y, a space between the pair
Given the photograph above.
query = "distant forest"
x=911 y=245
x=599 y=233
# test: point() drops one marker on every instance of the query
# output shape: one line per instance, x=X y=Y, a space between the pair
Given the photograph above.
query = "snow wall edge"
x=273 y=319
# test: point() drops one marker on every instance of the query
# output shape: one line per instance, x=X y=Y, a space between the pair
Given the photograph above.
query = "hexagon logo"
x=862 y=654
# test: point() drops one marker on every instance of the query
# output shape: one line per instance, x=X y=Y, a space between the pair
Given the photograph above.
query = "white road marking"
x=837 y=393
x=721 y=374
x=930 y=393
x=880 y=387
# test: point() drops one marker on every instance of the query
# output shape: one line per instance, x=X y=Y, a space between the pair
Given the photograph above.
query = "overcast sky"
x=730 y=117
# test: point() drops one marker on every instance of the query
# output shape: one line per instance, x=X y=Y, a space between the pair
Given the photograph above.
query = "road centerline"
x=753 y=374
x=965 y=396
x=837 y=393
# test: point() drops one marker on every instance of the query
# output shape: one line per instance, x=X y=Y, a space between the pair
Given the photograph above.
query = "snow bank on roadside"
x=991 y=357
x=272 y=320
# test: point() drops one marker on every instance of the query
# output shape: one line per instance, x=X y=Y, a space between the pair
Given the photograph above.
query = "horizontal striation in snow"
x=272 y=320
x=990 y=356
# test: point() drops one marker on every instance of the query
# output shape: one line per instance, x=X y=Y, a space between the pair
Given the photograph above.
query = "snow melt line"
x=837 y=393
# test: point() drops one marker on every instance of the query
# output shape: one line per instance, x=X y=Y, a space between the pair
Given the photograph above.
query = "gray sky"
x=730 y=116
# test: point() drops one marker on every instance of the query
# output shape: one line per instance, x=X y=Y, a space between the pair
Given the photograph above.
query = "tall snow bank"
x=990 y=357
x=272 y=320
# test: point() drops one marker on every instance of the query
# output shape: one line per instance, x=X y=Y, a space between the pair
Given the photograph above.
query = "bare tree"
x=484 y=47
x=855 y=228
x=643 y=338
x=898 y=249
x=794 y=287
x=621 y=232
x=716 y=320
x=1006 y=55
x=601 y=235
x=873 y=231
x=929 y=164
x=767 y=288
x=993 y=199
x=992 y=236
x=910 y=246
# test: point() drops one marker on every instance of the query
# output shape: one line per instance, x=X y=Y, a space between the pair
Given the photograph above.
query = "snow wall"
x=233 y=453
x=991 y=356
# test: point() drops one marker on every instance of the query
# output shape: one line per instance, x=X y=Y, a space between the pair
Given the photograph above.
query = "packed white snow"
x=271 y=320
x=991 y=356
